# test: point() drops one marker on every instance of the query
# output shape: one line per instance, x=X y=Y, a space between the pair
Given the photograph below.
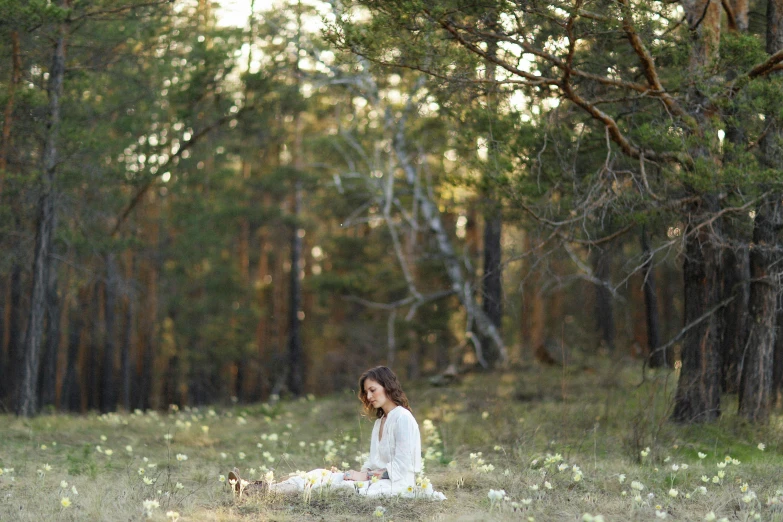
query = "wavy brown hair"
x=391 y=386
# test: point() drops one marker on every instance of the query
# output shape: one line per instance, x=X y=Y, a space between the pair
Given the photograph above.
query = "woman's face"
x=376 y=395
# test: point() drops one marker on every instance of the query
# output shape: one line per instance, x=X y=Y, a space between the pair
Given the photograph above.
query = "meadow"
x=587 y=442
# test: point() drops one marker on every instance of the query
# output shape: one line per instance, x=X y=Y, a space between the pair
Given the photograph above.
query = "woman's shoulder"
x=403 y=414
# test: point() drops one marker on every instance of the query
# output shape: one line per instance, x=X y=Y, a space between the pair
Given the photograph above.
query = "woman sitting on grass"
x=395 y=449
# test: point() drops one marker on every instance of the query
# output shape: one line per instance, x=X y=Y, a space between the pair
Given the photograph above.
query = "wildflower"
x=241 y=455
x=701 y=456
x=675 y=467
x=168 y=436
x=644 y=452
x=761 y=446
x=63 y=484
x=172 y=515
x=705 y=478
x=141 y=471
x=129 y=448
x=485 y=415
x=534 y=487
x=721 y=464
x=667 y=459
x=223 y=455
x=527 y=501
x=148 y=481
x=109 y=452
x=709 y=517
x=562 y=467
x=638 y=486
x=181 y=457
x=47 y=467
x=547 y=485
x=179 y=485
x=496 y=494
x=374 y=479
x=744 y=487
x=43 y=447
x=380 y=511
x=577 y=477
x=735 y=462
x=673 y=493
x=683 y=467
x=715 y=479
x=727 y=459
x=660 y=514
x=702 y=490
x=65 y=502
x=621 y=477
x=149 y=506
x=750 y=497
x=103 y=438
x=205 y=429
x=721 y=474
x=73 y=490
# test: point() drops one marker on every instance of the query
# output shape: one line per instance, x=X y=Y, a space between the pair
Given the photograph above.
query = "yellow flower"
x=222 y=478
x=65 y=502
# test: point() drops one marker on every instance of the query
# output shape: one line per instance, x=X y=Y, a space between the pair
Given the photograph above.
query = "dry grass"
x=595 y=415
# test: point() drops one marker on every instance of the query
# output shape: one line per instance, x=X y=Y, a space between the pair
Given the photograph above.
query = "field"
x=588 y=442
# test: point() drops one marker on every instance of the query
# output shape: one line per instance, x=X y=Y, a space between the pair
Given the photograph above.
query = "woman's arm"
x=407 y=442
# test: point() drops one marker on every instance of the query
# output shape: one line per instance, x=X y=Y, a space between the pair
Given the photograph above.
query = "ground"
x=589 y=440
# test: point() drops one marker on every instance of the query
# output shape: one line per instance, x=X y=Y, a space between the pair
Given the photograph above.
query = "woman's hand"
x=353 y=475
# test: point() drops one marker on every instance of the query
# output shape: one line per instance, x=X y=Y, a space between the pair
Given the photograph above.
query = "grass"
x=596 y=415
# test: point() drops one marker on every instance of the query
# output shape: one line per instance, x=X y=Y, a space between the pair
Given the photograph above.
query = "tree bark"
x=697 y=398
x=70 y=394
x=27 y=404
x=658 y=358
x=126 y=360
x=48 y=383
x=604 y=311
x=755 y=391
x=108 y=384
x=491 y=281
x=295 y=350
x=734 y=317
x=15 y=349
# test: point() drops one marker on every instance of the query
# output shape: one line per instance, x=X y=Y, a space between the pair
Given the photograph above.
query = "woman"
x=395 y=448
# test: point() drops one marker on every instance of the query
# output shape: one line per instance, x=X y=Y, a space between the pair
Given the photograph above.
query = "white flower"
x=181 y=457
x=709 y=517
x=65 y=502
x=701 y=456
x=547 y=485
x=638 y=486
x=673 y=493
x=63 y=484
x=660 y=514
x=621 y=477
x=702 y=490
x=675 y=467
x=179 y=485
x=761 y=446
x=683 y=466
x=73 y=490
x=495 y=495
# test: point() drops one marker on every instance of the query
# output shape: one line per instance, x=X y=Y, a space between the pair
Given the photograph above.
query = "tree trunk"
x=295 y=351
x=658 y=358
x=126 y=366
x=48 y=384
x=108 y=385
x=70 y=395
x=698 y=390
x=94 y=349
x=27 y=395
x=604 y=311
x=777 y=364
x=734 y=317
x=756 y=383
x=14 y=331
x=491 y=281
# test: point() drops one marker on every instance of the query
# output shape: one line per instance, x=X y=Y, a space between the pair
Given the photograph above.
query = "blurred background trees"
x=197 y=209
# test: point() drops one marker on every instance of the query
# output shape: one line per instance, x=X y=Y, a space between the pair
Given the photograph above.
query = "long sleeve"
x=405 y=452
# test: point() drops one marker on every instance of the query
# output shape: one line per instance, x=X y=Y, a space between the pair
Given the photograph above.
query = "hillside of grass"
x=591 y=441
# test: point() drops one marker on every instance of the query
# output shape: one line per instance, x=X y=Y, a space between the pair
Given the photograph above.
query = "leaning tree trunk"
x=27 y=400
x=698 y=390
x=756 y=383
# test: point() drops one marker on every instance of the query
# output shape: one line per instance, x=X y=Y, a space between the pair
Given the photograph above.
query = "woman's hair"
x=391 y=386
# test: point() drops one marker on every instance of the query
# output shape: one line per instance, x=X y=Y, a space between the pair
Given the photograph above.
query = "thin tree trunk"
x=94 y=349
x=70 y=395
x=295 y=350
x=658 y=358
x=27 y=396
x=48 y=382
x=108 y=385
x=126 y=359
x=698 y=390
x=755 y=391
x=604 y=311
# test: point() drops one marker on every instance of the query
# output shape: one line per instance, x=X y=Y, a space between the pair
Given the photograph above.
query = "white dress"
x=398 y=451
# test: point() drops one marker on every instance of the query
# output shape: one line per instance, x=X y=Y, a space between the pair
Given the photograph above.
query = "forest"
x=205 y=204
